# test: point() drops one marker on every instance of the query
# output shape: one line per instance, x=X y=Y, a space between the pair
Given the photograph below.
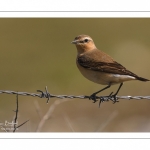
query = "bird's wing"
x=114 y=67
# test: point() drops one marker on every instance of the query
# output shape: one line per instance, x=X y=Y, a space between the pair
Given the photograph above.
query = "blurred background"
x=35 y=53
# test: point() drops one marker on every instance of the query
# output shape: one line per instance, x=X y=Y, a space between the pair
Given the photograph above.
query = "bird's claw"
x=93 y=97
x=114 y=98
x=109 y=97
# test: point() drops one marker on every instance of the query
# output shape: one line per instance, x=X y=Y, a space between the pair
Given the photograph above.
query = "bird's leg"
x=93 y=96
x=114 y=96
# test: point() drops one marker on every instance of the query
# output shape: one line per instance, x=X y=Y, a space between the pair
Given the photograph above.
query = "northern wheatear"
x=99 y=67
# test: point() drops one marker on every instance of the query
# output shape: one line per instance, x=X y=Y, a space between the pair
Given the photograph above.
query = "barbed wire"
x=47 y=95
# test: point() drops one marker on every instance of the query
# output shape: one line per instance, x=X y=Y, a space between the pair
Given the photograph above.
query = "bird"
x=99 y=67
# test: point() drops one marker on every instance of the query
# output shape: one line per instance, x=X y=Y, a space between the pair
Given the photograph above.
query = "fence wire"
x=48 y=95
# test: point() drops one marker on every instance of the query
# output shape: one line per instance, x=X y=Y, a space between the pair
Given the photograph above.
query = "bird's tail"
x=142 y=79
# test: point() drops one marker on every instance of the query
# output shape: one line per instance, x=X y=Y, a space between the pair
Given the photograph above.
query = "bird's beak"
x=74 y=42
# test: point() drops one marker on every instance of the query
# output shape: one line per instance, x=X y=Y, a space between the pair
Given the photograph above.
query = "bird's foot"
x=114 y=98
x=93 y=97
x=102 y=99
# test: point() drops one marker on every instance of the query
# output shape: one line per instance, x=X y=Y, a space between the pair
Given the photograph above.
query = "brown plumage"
x=108 y=67
x=99 y=67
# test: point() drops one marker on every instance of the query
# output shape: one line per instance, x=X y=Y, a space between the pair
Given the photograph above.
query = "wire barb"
x=16 y=115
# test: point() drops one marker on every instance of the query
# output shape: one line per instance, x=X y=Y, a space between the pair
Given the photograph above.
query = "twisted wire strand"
x=47 y=95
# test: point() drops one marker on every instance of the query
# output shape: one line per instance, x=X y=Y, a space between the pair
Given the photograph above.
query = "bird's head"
x=83 y=43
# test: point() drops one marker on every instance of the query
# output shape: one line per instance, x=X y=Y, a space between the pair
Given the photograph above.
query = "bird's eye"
x=86 y=40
